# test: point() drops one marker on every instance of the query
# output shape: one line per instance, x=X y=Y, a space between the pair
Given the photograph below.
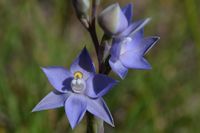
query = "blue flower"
x=128 y=52
x=79 y=90
x=117 y=22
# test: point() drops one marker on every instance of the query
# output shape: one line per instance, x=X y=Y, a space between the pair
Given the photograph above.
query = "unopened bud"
x=112 y=20
x=81 y=6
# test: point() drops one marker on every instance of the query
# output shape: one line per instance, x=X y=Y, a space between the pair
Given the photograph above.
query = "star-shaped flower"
x=128 y=52
x=79 y=90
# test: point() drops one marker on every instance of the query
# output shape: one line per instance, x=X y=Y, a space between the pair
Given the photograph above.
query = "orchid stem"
x=90 y=123
x=92 y=30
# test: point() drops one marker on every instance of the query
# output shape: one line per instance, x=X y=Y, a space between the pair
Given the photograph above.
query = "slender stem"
x=92 y=30
x=90 y=123
x=93 y=34
x=94 y=10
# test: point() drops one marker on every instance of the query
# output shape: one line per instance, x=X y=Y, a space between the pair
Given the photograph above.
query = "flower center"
x=78 y=83
x=124 y=42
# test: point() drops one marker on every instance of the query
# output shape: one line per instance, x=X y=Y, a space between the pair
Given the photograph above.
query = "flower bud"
x=81 y=7
x=112 y=20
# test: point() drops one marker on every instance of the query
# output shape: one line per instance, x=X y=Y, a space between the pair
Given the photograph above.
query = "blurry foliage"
x=37 y=33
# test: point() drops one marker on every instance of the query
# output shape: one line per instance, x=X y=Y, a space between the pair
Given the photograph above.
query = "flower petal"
x=115 y=49
x=98 y=85
x=51 y=101
x=133 y=28
x=140 y=46
x=58 y=77
x=84 y=64
x=130 y=43
x=75 y=108
x=133 y=60
x=118 y=68
x=128 y=12
x=148 y=43
x=99 y=108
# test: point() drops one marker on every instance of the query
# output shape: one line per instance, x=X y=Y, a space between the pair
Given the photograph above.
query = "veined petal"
x=58 y=77
x=84 y=64
x=99 y=108
x=98 y=85
x=128 y=12
x=133 y=28
x=133 y=60
x=51 y=101
x=118 y=68
x=75 y=108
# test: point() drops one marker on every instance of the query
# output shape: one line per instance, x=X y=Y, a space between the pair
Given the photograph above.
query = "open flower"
x=117 y=22
x=79 y=90
x=128 y=52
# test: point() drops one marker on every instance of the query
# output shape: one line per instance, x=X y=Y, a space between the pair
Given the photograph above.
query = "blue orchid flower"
x=78 y=90
x=128 y=46
x=128 y=53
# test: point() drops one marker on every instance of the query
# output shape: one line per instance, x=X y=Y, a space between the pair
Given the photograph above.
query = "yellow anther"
x=78 y=75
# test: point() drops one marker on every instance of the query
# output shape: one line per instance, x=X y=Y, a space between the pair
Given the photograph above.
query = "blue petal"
x=51 y=101
x=58 y=77
x=115 y=49
x=98 y=85
x=128 y=11
x=133 y=60
x=75 y=108
x=134 y=41
x=148 y=43
x=118 y=68
x=99 y=108
x=84 y=64
x=133 y=28
x=140 y=46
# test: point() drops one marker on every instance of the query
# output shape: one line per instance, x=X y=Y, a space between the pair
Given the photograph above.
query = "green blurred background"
x=37 y=33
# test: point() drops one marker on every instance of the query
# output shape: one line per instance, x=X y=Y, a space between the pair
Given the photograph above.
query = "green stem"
x=90 y=123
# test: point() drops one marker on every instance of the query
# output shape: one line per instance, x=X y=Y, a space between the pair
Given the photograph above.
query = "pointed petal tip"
x=119 y=69
x=148 y=67
x=85 y=48
x=72 y=125
x=130 y=5
x=123 y=76
x=35 y=109
x=156 y=38
x=43 y=68
x=146 y=21
x=113 y=125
